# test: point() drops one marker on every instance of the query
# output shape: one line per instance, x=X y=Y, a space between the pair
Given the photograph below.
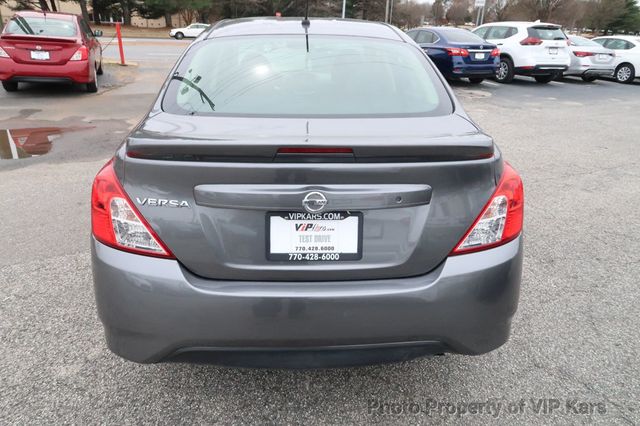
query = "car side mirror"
x=98 y=33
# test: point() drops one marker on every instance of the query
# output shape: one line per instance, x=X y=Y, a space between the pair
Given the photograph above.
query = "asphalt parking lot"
x=575 y=339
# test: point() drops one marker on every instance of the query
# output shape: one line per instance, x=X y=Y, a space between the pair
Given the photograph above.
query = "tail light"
x=495 y=52
x=531 y=41
x=583 y=54
x=500 y=220
x=456 y=51
x=82 y=54
x=116 y=222
x=3 y=53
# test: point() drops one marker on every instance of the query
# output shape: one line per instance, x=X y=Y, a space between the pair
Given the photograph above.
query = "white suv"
x=535 y=49
x=627 y=50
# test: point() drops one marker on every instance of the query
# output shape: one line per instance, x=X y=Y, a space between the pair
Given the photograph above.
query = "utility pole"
x=344 y=8
x=386 y=12
x=480 y=4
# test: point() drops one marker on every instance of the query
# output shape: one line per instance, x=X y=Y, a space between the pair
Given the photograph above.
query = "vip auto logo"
x=312 y=227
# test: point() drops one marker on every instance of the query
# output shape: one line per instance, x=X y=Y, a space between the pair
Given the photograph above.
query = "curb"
x=116 y=62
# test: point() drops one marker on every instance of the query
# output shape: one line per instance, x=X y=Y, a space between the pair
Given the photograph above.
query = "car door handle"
x=499 y=44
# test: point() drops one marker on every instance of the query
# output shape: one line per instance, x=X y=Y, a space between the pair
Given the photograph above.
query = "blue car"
x=458 y=53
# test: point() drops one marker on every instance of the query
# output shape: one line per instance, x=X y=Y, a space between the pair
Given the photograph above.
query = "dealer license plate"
x=40 y=55
x=314 y=237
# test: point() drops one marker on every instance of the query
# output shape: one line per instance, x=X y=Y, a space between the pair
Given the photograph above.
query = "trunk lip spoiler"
x=42 y=39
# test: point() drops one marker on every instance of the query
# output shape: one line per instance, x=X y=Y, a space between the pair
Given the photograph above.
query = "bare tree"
x=437 y=10
x=599 y=14
x=458 y=12
x=537 y=9
x=410 y=14
x=83 y=9
x=498 y=10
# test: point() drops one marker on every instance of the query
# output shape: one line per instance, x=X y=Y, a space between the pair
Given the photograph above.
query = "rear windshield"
x=462 y=36
x=547 y=33
x=41 y=26
x=276 y=76
x=581 y=41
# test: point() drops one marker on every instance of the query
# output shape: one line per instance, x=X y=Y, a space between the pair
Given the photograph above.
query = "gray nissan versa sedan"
x=305 y=193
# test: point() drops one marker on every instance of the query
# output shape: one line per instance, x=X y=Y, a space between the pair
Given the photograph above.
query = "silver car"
x=306 y=193
x=589 y=59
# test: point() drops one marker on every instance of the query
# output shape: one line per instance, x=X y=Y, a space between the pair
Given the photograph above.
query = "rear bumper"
x=153 y=309
x=541 y=69
x=71 y=72
x=485 y=72
x=591 y=70
x=460 y=68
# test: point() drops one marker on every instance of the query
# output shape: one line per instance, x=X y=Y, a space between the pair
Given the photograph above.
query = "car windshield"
x=547 y=33
x=41 y=26
x=462 y=36
x=276 y=76
x=581 y=41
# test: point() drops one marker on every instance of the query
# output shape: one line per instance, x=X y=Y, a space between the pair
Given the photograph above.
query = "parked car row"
x=502 y=50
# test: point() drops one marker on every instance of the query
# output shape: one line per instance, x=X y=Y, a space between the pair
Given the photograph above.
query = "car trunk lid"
x=479 y=53
x=216 y=190
x=553 y=47
x=25 y=49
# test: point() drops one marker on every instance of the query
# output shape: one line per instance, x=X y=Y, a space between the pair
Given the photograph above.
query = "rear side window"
x=41 y=27
x=618 y=44
x=412 y=34
x=276 y=76
x=426 y=37
x=462 y=36
x=500 y=33
x=85 y=28
x=581 y=41
x=547 y=33
x=481 y=32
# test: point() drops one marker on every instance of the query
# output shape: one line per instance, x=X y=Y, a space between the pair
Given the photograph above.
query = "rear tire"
x=92 y=87
x=625 y=73
x=589 y=78
x=475 y=80
x=544 y=79
x=10 y=86
x=506 y=71
x=179 y=36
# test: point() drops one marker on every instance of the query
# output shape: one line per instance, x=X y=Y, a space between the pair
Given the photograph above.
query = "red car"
x=50 y=48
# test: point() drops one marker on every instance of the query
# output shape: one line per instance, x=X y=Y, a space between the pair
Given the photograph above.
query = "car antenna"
x=306 y=24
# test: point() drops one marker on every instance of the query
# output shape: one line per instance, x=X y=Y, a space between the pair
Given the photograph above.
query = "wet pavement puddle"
x=16 y=144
